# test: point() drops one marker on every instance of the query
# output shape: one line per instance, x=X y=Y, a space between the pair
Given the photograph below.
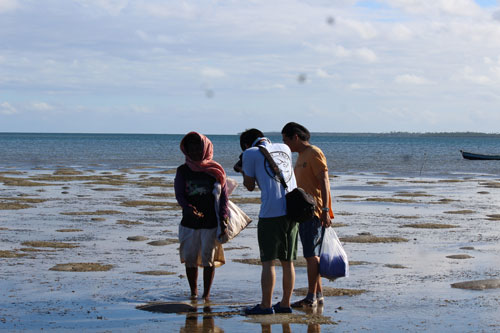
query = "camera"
x=239 y=165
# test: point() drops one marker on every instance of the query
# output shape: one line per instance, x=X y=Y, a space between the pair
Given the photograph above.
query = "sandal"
x=257 y=310
x=304 y=302
x=279 y=309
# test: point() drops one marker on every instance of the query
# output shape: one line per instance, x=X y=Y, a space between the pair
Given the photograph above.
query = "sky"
x=220 y=67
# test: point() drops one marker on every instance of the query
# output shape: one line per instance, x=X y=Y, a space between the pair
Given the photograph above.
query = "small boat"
x=473 y=156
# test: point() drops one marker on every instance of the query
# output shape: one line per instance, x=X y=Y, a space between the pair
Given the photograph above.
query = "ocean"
x=397 y=154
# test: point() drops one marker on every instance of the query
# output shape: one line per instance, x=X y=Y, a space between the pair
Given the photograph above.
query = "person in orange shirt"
x=311 y=172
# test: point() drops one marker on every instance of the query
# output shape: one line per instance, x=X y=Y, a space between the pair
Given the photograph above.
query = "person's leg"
x=267 y=280
x=288 y=283
x=192 y=276
x=313 y=278
x=208 y=278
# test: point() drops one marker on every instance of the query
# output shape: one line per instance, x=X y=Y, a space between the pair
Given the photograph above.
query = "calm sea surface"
x=411 y=155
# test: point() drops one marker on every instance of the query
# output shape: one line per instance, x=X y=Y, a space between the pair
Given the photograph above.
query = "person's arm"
x=249 y=182
x=180 y=195
x=324 y=183
x=248 y=170
x=180 y=189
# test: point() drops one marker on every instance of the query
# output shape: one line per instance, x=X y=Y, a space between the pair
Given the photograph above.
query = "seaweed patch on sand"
x=13 y=206
x=164 y=242
x=391 y=200
x=463 y=211
x=331 y=292
x=21 y=182
x=459 y=256
x=412 y=194
x=98 y=212
x=478 y=285
x=396 y=266
x=429 y=226
x=136 y=203
x=69 y=230
x=67 y=172
x=127 y=222
x=81 y=267
x=160 y=195
x=155 y=273
x=55 y=245
x=11 y=254
x=137 y=238
x=369 y=238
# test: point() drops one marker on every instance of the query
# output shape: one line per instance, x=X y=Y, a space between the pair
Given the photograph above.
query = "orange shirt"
x=311 y=163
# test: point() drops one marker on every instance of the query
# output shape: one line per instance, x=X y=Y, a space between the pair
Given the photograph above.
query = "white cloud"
x=112 y=7
x=438 y=7
x=470 y=75
x=324 y=74
x=412 y=79
x=42 y=106
x=174 y=9
x=366 y=54
x=401 y=32
x=211 y=72
x=364 y=29
x=7 y=109
x=6 y=5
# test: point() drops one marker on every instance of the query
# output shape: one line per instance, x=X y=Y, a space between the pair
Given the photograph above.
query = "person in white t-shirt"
x=277 y=235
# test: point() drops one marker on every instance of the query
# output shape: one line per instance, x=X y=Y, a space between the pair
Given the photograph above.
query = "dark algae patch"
x=81 y=267
x=478 y=284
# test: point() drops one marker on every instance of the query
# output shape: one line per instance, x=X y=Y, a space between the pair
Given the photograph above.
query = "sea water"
x=398 y=154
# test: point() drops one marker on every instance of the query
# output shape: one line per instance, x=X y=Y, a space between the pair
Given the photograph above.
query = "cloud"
x=401 y=32
x=112 y=7
x=412 y=79
x=324 y=74
x=470 y=75
x=7 y=5
x=364 y=29
x=7 y=109
x=366 y=55
x=466 y=8
x=175 y=9
x=211 y=72
x=41 y=106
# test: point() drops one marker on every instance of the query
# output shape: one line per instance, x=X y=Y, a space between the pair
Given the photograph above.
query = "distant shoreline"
x=275 y=133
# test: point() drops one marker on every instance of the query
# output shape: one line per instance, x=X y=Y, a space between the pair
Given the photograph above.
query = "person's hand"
x=192 y=211
x=223 y=223
x=325 y=219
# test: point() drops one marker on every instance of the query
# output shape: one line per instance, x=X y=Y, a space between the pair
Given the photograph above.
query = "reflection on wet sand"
x=207 y=324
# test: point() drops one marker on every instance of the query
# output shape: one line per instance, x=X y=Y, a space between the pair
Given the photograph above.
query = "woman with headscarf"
x=194 y=184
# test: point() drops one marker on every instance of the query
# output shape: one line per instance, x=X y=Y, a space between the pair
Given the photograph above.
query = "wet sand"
x=97 y=250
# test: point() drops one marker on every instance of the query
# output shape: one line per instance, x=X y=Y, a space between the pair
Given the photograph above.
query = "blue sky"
x=120 y=66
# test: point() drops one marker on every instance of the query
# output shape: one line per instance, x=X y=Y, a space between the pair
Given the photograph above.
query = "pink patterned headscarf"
x=207 y=164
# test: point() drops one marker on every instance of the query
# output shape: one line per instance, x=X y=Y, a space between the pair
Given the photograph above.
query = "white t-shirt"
x=272 y=192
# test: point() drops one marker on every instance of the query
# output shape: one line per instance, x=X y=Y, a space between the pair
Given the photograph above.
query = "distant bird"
x=302 y=78
x=330 y=20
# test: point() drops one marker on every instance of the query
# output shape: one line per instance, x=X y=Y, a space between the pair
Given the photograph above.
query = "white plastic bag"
x=333 y=262
x=238 y=220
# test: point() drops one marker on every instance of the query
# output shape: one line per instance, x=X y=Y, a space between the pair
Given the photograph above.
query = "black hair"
x=191 y=139
x=292 y=128
x=249 y=136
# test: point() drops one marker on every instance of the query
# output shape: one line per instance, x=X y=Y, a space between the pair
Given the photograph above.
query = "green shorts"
x=277 y=238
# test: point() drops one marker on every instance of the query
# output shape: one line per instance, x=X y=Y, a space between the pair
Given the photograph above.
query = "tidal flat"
x=91 y=251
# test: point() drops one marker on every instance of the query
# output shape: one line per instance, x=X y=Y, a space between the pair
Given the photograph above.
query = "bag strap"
x=274 y=167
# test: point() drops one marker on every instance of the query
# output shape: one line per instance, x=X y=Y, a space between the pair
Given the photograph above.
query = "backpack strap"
x=273 y=165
